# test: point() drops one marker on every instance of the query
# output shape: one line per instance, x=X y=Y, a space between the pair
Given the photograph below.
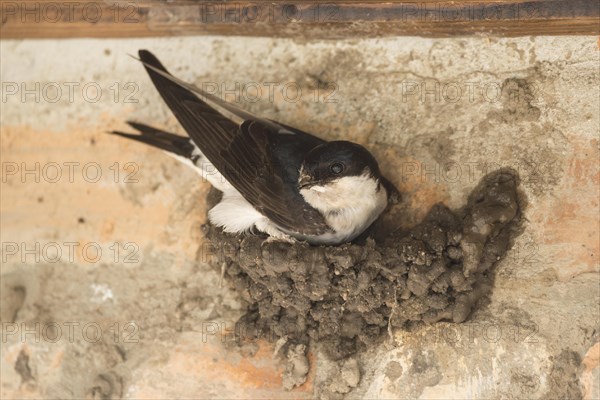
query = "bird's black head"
x=334 y=160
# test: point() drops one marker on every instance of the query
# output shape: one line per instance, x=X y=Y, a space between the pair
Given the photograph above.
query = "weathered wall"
x=438 y=114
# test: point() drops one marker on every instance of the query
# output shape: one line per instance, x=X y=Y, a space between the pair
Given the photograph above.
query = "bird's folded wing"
x=241 y=152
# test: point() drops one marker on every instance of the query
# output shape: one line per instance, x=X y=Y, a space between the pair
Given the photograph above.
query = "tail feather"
x=178 y=145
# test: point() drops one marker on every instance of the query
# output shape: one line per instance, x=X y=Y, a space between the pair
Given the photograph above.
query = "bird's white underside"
x=349 y=205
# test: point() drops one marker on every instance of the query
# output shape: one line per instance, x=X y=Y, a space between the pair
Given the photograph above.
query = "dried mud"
x=348 y=297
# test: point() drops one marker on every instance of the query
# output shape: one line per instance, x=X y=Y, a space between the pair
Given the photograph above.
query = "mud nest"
x=349 y=296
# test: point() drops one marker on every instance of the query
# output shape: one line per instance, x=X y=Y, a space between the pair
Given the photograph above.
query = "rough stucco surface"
x=438 y=114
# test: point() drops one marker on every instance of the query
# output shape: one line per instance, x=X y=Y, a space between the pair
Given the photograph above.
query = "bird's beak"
x=304 y=180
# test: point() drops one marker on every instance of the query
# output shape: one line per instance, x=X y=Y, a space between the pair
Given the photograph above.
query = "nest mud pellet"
x=347 y=297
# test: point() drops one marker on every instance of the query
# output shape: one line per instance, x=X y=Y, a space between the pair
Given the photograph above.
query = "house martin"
x=274 y=178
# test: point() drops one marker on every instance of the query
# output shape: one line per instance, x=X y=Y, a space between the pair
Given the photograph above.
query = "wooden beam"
x=119 y=18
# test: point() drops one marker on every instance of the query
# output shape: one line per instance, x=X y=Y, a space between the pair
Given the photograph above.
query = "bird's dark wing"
x=253 y=156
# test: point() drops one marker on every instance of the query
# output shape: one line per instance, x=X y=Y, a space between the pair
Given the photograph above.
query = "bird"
x=275 y=179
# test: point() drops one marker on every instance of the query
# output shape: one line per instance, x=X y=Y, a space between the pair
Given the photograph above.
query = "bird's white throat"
x=349 y=204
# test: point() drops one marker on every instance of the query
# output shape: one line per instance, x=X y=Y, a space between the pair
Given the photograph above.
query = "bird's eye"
x=337 y=168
